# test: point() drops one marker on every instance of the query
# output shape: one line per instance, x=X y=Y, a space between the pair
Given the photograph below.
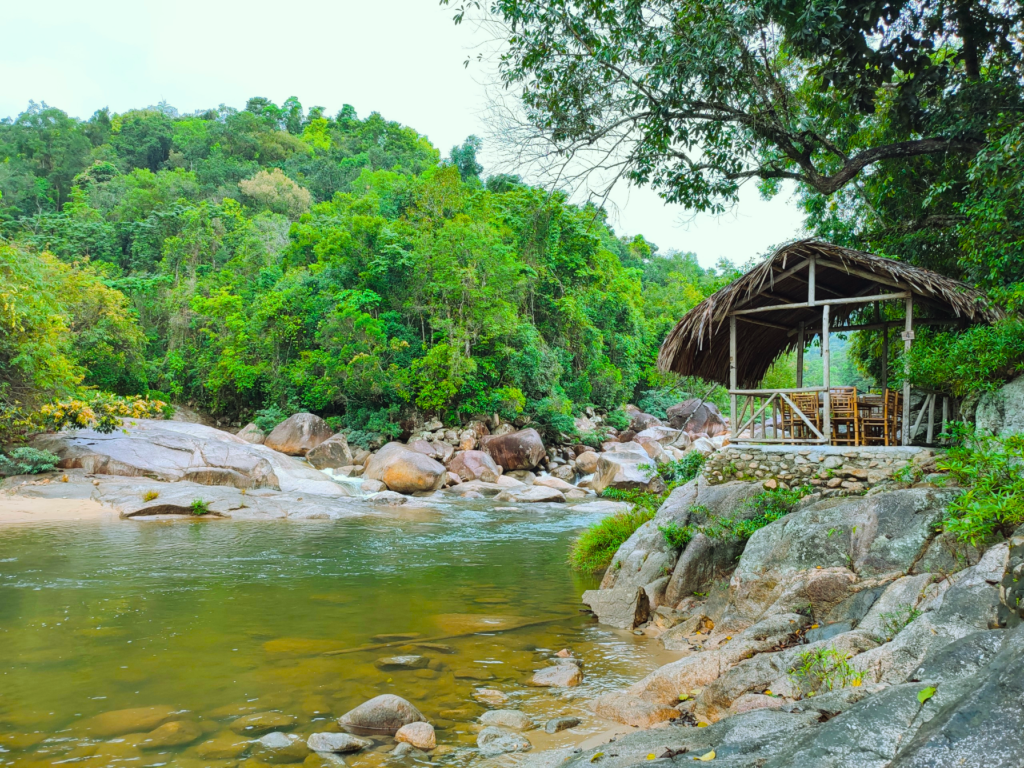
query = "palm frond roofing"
x=699 y=343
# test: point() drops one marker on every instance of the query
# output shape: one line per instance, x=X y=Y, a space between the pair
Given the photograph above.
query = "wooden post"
x=908 y=337
x=827 y=420
x=945 y=413
x=800 y=355
x=732 y=377
x=810 y=280
x=885 y=358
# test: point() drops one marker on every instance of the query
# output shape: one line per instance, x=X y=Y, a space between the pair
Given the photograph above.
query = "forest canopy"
x=278 y=257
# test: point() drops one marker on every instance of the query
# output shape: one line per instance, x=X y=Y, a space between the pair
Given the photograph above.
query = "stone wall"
x=837 y=470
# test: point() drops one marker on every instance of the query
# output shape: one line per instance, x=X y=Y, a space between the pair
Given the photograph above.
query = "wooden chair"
x=874 y=427
x=808 y=405
x=843 y=402
x=893 y=416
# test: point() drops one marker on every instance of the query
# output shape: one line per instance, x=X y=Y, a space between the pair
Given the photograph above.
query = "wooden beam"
x=817 y=287
x=807 y=305
x=908 y=337
x=825 y=359
x=789 y=391
x=891 y=282
x=732 y=375
x=789 y=272
x=765 y=323
x=870 y=326
x=800 y=344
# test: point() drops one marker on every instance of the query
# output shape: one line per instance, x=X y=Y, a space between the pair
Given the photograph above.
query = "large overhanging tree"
x=696 y=96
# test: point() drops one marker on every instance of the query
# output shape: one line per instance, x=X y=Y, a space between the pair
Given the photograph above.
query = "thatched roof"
x=699 y=344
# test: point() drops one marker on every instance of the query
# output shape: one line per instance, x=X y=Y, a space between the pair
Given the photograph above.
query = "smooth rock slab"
x=382 y=714
x=173 y=734
x=533 y=494
x=507 y=718
x=499 y=741
x=558 y=676
x=419 y=735
x=122 y=721
x=402 y=662
x=223 y=747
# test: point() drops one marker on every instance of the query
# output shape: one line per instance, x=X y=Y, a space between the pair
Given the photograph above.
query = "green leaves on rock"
x=925 y=694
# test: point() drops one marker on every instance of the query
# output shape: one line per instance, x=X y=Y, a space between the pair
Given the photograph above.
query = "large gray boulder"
x=332 y=453
x=382 y=714
x=252 y=434
x=624 y=607
x=298 y=434
x=405 y=471
x=1002 y=412
x=625 y=466
x=696 y=417
x=475 y=465
x=516 y=450
x=173 y=451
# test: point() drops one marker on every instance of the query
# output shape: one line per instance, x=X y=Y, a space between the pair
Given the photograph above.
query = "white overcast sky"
x=402 y=58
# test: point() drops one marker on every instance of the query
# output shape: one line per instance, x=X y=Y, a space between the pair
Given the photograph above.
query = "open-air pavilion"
x=810 y=289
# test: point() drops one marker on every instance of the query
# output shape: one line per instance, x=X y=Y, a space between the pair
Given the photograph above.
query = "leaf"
x=926 y=694
x=706 y=757
x=652 y=756
x=683 y=697
x=596 y=756
x=702 y=725
x=856 y=683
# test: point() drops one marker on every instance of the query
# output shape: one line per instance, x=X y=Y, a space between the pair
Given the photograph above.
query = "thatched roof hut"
x=699 y=344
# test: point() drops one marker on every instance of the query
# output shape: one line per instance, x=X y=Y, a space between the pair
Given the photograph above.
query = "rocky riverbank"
x=847 y=633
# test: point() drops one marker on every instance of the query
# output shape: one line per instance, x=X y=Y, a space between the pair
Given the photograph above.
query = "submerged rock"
x=280 y=748
x=121 y=721
x=173 y=734
x=382 y=714
x=557 y=724
x=494 y=741
x=260 y=722
x=402 y=662
x=336 y=742
x=507 y=718
x=559 y=676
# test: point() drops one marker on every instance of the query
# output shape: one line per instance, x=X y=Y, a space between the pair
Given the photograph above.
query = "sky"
x=402 y=58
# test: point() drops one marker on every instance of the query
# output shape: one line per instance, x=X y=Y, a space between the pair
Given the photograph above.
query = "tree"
x=464 y=158
x=696 y=96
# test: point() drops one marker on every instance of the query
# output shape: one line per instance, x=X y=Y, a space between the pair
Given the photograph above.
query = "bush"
x=552 y=417
x=975 y=359
x=824 y=669
x=28 y=461
x=200 y=507
x=99 y=411
x=594 y=549
x=991 y=472
x=617 y=419
x=268 y=418
x=768 y=507
x=683 y=471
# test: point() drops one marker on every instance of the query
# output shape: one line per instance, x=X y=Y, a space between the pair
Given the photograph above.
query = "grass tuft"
x=594 y=549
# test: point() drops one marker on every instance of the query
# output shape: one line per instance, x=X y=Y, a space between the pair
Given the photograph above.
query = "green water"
x=217 y=619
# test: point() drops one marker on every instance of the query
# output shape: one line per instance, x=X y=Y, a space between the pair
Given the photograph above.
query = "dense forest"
x=278 y=258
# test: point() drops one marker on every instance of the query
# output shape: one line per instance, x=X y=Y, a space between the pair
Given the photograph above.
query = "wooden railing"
x=775 y=409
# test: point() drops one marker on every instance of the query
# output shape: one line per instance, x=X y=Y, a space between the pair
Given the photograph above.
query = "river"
x=218 y=619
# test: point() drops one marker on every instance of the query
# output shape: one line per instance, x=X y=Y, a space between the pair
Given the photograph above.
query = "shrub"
x=28 y=461
x=594 y=549
x=552 y=417
x=989 y=469
x=683 y=471
x=618 y=419
x=824 y=669
x=200 y=507
x=967 y=360
x=150 y=495
x=100 y=411
x=268 y=418
x=894 y=622
x=768 y=507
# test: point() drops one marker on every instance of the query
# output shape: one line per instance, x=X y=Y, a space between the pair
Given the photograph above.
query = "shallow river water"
x=218 y=619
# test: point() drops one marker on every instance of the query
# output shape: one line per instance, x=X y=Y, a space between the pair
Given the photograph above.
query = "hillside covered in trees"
x=279 y=258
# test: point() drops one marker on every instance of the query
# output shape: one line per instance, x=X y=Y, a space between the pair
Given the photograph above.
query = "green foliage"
x=682 y=471
x=100 y=411
x=895 y=621
x=989 y=470
x=641 y=500
x=766 y=507
x=617 y=419
x=979 y=358
x=266 y=419
x=27 y=461
x=594 y=549
x=824 y=669
x=552 y=417
x=199 y=507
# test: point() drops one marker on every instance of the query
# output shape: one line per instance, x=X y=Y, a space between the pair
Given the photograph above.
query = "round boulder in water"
x=382 y=714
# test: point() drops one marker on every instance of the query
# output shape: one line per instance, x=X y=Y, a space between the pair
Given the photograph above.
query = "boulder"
x=252 y=434
x=663 y=435
x=1002 y=412
x=382 y=714
x=261 y=722
x=516 y=450
x=405 y=471
x=696 y=416
x=332 y=453
x=402 y=662
x=566 y=472
x=627 y=467
x=507 y=718
x=558 y=724
x=336 y=742
x=565 y=675
x=550 y=481
x=494 y=741
x=121 y=721
x=359 y=455
x=586 y=462
x=642 y=421
x=532 y=494
x=373 y=487
x=176 y=733
x=624 y=607
x=419 y=735
x=298 y=434
x=475 y=465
